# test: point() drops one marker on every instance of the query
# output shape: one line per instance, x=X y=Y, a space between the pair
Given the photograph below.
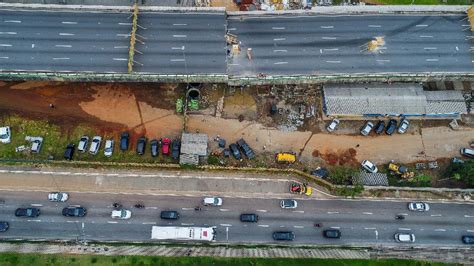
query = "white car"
x=212 y=201
x=121 y=214
x=332 y=126
x=95 y=145
x=58 y=196
x=109 y=147
x=403 y=127
x=404 y=238
x=418 y=206
x=5 y=135
x=288 y=204
x=83 y=144
x=369 y=166
x=365 y=131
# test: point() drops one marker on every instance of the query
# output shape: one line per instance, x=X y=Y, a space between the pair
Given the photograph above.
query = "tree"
x=462 y=171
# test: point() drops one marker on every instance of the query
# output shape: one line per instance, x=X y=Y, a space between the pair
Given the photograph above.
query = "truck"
x=183 y=233
x=301 y=188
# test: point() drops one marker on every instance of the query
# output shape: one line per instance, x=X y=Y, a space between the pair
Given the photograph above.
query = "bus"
x=183 y=233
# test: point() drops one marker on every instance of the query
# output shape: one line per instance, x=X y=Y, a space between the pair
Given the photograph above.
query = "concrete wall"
x=106 y=2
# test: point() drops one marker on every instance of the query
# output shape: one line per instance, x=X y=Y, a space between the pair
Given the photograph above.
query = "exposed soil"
x=340 y=157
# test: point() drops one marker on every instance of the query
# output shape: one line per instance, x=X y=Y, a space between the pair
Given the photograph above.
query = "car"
x=36 y=146
x=69 y=152
x=4 y=226
x=333 y=125
x=124 y=141
x=141 y=144
x=74 y=211
x=380 y=127
x=212 y=201
x=248 y=152
x=83 y=144
x=391 y=126
x=468 y=239
x=320 y=172
x=175 y=149
x=27 y=212
x=95 y=145
x=249 y=218
x=235 y=151
x=58 y=196
x=332 y=233
x=109 y=147
x=288 y=204
x=367 y=128
x=404 y=237
x=121 y=214
x=467 y=152
x=5 y=135
x=284 y=236
x=165 y=146
x=369 y=166
x=418 y=206
x=154 y=147
x=403 y=127
x=169 y=215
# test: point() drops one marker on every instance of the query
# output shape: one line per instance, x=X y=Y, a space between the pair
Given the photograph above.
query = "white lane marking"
x=440 y=230
x=72 y=221
x=280 y=63
x=5 y=45
x=367 y=213
x=149 y=223
x=236 y=29
x=280 y=51
x=180 y=24
x=178 y=48
x=298 y=226
x=66 y=34
x=263 y=225
x=470 y=231
x=83 y=225
x=468 y=216
x=376 y=235
x=187 y=209
x=333 y=212
x=383 y=60
x=299 y=211
x=335 y=227
x=37 y=205
x=8 y=32
x=186 y=224
x=112 y=222
x=436 y=215
x=421 y=25
x=179 y=36
x=69 y=22
x=176 y=60
x=224 y=210
x=426 y=36
x=327 y=27
x=151 y=207
x=404 y=214
x=3 y=57
x=125 y=23
x=120 y=59
x=430 y=48
x=375 y=26
x=432 y=60
x=61 y=58
x=329 y=38
x=63 y=45
x=370 y=228
x=278 y=28
x=279 y=39
x=331 y=49
x=262 y=210
x=12 y=21
x=120 y=47
x=34 y=220
x=227 y=225
x=404 y=229
x=333 y=61
x=122 y=35
x=457 y=48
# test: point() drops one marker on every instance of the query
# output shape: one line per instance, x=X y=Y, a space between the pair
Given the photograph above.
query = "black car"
x=332 y=233
x=235 y=151
x=169 y=215
x=124 y=141
x=380 y=127
x=154 y=147
x=69 y=152
x=468 y=239
x=246 y=149
x=141 y=143
x=4 y=226
x=74 y=211
x=392 y=125
x=249 y=218
x=287 y=236
x=175 y=149
x=320 y=172
x=27 y=212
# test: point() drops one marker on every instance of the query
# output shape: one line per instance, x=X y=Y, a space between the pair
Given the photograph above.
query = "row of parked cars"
x=379 y=128
x=239 y=148
x=166 y=145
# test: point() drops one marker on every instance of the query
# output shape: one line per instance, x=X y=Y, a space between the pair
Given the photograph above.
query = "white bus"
x=183 y=233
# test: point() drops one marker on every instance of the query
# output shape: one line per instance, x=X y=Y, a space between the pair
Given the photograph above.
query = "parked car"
x=36 y=145
x=82 y=147
x=154 y=147
x=467 y=152
x=403 y=127
x=141 y=144
x=248 y=152
x=249 y=218
x=27 y=212
x=288 y=204
x=74 y=211
x=121 y=214
x=95 y=145
x=169 y=215
x=4 y=226
x=5 y=135
x=369 y=166
x=365 y=131
x=404 y=237
x=332 y=233
x=380 y=127
x=58 y=196
x=391 y=126
x=284 y=236
x=109 y=147
x=333 y=125
x=176 y=146
x=418 y=206
x=212 y=201
x=124 y=141
x=320 y=172
x=165 y=146
x=69 y=152
x=468 y=239
x=235 y=151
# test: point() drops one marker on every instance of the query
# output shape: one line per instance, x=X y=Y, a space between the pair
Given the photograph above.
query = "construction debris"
x=470 y=16
x=376 y=44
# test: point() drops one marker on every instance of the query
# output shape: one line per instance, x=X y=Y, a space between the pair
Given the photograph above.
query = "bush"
x=463 y=172
x=342 y=175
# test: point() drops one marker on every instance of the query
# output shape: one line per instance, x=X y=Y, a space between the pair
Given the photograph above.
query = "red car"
x=165 y=146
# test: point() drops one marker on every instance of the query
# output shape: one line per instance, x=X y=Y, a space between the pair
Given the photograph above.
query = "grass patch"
x=7 y=259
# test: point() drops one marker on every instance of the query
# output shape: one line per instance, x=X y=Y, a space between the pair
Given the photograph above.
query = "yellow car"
x=286 y=157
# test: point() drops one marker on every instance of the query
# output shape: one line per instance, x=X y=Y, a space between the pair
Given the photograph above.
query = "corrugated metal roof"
x=194 y=144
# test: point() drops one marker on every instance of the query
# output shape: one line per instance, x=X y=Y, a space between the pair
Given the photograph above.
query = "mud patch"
x=342 y=157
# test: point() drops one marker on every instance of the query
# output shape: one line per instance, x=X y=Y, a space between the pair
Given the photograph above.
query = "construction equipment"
x=400 y=170
x=301 y=188
x=286 y=157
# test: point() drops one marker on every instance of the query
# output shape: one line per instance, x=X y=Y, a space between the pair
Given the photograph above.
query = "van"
x=249 y=218
x=286 y=157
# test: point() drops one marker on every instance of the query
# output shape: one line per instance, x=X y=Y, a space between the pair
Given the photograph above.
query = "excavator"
x=400 y=170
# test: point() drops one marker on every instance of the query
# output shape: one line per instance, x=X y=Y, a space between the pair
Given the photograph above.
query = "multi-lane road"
x=362 y=222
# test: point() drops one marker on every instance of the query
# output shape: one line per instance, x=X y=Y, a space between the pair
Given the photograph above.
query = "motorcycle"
x=139 y=206
x=117 y=205
x=197 y=208
x=318 y=225
x=399 y=217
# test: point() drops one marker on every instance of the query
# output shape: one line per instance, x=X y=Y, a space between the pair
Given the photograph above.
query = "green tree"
x=462 y=171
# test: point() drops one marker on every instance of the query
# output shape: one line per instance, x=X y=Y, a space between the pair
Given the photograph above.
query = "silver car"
x=333 y=125
x=95 y=145
x=418 y=206
x=288 y=204
x=58 y=196
x=404 y=238
x=109 y=147
x=403 y=127
x=367 y=128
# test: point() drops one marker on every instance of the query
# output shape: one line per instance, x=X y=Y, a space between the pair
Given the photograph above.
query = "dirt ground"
x=228 y=4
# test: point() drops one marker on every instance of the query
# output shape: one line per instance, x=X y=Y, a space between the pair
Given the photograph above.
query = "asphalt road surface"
x=360 y=221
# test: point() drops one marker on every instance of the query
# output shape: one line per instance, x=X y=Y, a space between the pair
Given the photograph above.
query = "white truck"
x=183 y=233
